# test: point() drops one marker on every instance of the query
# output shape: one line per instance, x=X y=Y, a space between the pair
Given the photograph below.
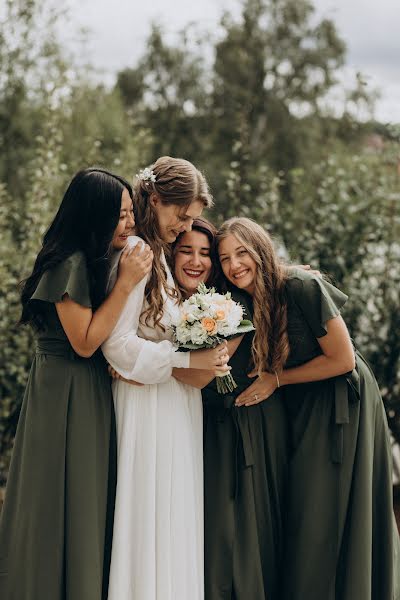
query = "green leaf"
x=246 y=326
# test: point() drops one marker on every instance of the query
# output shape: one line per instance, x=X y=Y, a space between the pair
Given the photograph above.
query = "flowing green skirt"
x=245 y=476
x=56 y=523
x=342 y=541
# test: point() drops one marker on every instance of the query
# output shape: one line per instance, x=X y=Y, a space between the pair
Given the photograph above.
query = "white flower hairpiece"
x=146 y=175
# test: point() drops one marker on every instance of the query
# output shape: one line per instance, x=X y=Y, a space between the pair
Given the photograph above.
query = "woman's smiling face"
x=126 y=222
x=237 y=264
x=174 y=219
x=193 y=263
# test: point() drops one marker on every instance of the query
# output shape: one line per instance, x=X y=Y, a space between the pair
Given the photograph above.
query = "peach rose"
x=209 y=325
x=220 y=315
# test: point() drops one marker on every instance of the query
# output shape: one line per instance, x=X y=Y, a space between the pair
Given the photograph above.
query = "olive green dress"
x=56 y=520
x=245 y=467
x=341 y=539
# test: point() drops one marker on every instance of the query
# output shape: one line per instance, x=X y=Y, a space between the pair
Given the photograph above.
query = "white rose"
x=183 y=334
x=197 y=334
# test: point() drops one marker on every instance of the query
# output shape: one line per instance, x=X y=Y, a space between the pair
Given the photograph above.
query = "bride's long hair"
x=177 y=182
x=270 y=348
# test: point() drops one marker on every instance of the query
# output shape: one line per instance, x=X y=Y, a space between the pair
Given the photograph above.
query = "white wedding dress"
x=157 y=551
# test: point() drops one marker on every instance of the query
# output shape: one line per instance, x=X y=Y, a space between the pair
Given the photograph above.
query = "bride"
x=157 y=551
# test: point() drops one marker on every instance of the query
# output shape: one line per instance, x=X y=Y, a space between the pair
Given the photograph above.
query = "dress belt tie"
x=54 y=347
x=343 y=384
x=62 y=348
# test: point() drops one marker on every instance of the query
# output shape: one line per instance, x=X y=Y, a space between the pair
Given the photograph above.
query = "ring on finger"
x=255 y=397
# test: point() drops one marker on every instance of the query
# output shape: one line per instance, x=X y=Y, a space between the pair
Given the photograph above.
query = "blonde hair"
x=177 y=182
x=270 y=348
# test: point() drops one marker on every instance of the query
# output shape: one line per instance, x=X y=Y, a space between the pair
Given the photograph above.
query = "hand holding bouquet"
x=205 y=320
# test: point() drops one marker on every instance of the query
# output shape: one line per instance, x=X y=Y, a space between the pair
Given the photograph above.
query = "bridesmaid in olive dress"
x=342 y=542
x=56 y=520
x=245 y=454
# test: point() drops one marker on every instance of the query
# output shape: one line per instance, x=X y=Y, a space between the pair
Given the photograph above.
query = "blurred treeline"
x=252 y=106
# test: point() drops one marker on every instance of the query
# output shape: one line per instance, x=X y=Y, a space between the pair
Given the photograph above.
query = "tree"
x=263 y=92
x=271 y=68
x=167 y=93
x=30 y=60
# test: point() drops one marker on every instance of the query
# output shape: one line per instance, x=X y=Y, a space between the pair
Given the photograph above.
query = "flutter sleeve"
x=318 y=300
x=133 y=357
x=69 y=277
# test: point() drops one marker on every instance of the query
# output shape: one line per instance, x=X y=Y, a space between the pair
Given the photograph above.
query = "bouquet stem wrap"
x=225 y=383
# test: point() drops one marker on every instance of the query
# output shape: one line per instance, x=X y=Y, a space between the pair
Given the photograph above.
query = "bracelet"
x=277 y=379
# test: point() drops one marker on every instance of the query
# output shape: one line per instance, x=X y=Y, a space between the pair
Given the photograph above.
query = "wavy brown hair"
x=177 y=182
x=270 y=348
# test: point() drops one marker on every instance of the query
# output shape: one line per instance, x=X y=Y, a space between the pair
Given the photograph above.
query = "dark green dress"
x=245 y=467
x=54 y=526
x=341 y=538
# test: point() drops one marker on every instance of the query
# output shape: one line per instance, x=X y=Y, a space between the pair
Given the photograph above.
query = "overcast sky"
x=119 y=29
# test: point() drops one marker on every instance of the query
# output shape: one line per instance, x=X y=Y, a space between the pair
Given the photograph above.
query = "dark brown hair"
x=85 y=221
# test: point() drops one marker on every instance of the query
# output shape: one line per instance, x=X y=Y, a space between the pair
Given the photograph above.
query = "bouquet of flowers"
x=205 y=320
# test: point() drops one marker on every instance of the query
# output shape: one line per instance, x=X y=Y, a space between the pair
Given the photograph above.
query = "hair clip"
x=146 y=174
